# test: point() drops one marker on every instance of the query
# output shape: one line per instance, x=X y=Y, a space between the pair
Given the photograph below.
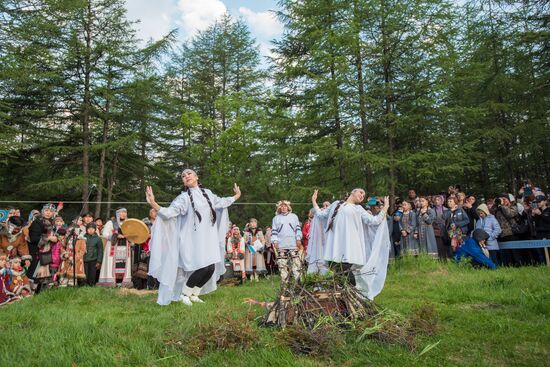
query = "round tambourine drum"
x=135 y=231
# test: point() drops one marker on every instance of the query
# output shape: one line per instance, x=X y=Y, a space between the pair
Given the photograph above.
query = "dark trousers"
x=507 y=257
x=33 y=251
x=200 y=277
x=343 y=269
x=443 y=249
x=493 y=255
x=91 y=271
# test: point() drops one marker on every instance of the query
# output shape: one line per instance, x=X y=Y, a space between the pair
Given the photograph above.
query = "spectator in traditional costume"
x=13 y=242
x=42 y=274
x=72 y=256
x=426 y=237
x=349 y=250
x=116 y=266
x=18 y=283
x=57 y=249
x=6 y=296
x=187 y=242
x=286 y=236
x=36 y=230
x=254 y=258
x=456 y=223
x=59 y=223
x=409 y=231
x=235 y=253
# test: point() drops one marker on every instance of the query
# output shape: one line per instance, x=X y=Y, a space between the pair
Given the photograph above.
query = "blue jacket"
x=490 y=225
x=471 y=249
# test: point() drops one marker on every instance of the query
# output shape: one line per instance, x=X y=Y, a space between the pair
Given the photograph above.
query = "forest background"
x=381 y=94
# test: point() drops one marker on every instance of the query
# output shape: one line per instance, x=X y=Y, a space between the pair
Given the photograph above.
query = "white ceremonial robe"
x=180 y=244
x=107 y=273
x=350 y=240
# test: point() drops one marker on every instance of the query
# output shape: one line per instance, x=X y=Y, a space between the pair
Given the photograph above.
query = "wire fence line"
x=116 y=202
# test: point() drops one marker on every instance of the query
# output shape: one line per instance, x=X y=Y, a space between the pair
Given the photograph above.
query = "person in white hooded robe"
x=349 y=248
x=188 y=241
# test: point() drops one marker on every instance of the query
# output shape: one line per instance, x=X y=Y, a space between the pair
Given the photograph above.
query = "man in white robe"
x=187 y=242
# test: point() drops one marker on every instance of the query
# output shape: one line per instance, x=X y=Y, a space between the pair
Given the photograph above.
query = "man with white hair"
x=286 y=236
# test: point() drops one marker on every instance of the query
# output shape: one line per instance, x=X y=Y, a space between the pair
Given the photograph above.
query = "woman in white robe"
x=348 y=245
x=188 y=241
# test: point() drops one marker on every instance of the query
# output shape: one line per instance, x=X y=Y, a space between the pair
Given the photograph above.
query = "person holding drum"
x=187 y=241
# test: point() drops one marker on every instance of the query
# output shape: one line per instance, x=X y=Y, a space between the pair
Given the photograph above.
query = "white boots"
x=195 y=295
x=190 y=295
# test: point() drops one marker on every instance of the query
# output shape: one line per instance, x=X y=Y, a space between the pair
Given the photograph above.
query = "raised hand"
x=314 y=198
x=149 y=195
x=386 y=204
x=237 y=191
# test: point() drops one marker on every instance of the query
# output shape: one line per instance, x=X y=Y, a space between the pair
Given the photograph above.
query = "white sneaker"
x=185 y=300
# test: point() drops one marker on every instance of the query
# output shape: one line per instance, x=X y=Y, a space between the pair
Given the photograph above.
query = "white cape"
x=163 y=264
x=316 y=246
x=371 y=276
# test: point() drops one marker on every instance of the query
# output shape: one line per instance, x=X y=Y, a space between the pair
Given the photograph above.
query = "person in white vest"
x=188 y=241
x=286 y=236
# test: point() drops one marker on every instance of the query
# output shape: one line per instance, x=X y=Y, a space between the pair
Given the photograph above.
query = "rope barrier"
x=119 y=202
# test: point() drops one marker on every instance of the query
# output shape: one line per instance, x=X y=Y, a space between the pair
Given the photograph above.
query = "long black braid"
x=186 y=189
x=212 y=211
x=333 y=216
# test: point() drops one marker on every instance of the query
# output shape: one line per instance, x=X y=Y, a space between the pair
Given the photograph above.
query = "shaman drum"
x=135 y=231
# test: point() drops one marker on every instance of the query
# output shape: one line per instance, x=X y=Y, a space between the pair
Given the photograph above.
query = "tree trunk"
x=388 y=100
x=86 y=107
x=111 y=186
x=361 y=90
x=104 y=139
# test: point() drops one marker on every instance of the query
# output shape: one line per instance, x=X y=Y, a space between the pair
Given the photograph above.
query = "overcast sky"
x=158 y=17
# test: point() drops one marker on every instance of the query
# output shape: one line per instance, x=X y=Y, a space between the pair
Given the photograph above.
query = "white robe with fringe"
x=359 y=238
x=180 y=244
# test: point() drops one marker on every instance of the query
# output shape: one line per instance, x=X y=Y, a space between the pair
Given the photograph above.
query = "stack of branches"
x=318 y=297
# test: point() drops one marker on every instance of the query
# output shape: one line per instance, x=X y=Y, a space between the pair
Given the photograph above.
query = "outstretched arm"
x=220 y=203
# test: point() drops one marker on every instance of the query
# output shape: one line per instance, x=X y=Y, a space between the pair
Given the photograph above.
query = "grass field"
x=486 y=318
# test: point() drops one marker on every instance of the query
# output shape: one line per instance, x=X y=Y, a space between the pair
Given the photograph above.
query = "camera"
x=498 y=202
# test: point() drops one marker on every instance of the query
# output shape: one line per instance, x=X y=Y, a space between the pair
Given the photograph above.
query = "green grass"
x=487 y=318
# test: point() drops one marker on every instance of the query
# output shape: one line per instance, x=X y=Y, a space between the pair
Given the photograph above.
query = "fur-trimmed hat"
x=281 y=203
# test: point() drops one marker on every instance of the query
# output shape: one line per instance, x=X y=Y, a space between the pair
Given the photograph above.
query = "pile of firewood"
x=316 y=299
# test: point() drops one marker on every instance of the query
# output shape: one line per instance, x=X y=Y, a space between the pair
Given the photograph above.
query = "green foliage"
x=384 y=95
